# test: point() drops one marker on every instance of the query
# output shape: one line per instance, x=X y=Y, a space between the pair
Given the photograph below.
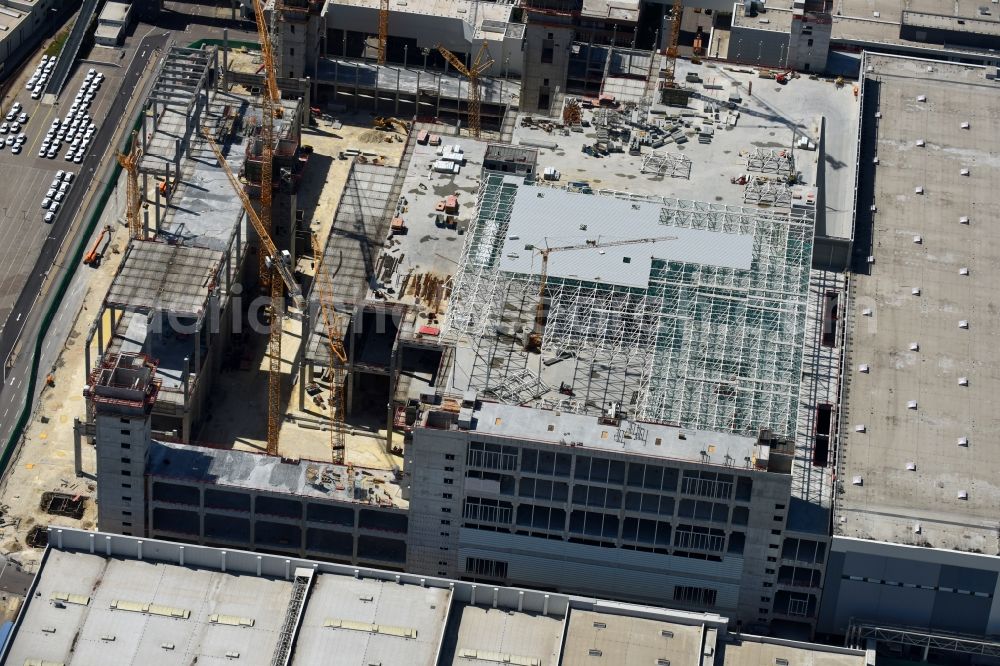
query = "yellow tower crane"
x=479 y=65
x=133 y=199
x=673 y=45
x=383 y=29
x=338 y=357
x=535 y=338
x=278 y=275
x=270 y=109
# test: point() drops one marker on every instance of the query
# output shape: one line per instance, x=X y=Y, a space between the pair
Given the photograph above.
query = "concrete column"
x=145 y=223
x=197 y=347
x=77 y=447
x=156 y=204
x=306 y=333
x=100 y=336
x=396 y=108
x=293 y=201
x=438 y=108
x=177 y=155
x=225 y=54
x=156 y=116
x=145 y=128
x=389 y=415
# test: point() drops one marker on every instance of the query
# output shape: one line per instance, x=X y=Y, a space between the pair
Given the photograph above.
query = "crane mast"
x=133 y=200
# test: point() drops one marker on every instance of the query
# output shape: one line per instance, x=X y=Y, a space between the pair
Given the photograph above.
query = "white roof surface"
x=549 y=217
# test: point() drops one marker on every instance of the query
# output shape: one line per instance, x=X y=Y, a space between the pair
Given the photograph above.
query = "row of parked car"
x=36 y=84
x=10 y=131
x=58 y=190
x=77 y=128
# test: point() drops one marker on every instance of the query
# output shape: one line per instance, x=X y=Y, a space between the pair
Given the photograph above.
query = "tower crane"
x=383 y=29
x=479 y=65
x=338 y=357
x=673 y=46
x=279 y=275
x=270 y=261
x=133 y=200
x=535 y=338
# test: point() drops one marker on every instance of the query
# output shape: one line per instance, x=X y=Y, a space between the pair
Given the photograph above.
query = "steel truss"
x=762 y=160
x=667 y=164
x=860 y=632
x=702 y=346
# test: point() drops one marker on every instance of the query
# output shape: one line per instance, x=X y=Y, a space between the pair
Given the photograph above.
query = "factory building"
x=101 y=598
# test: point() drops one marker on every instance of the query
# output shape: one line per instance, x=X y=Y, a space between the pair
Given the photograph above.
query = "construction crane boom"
x=338 y=357
x=535 y=339
x=133 y=200
x=479 y=66
x=268 y=247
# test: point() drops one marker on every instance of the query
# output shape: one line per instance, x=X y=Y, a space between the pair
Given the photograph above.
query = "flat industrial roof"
x=477 y=636
x=754 y=651
x=94 y=633
x=772 y=19
x=107 y=598
x=545 y=217
x=584 y=431
x=355 y=605
x=243 y=469
x=905 y=465
x=599 y=639
x=167 y=277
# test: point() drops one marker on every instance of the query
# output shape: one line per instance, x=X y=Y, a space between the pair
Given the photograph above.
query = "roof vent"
x=963 y=271
x=963 y=381
x=594 y=652
x=666 y=633
x=918 y=240
x=167 y=646
x=963 y=441
x=916 y=528
x=876 y=15
x=861 y=427
x=921 y=98
x=921 y=143
x=911 y=466
x=914 y=346
x=964 y=172
x=863 y=368
x=867 y=312
x=962 y=323
x=963 y=495
x=874 y=208
x=600 y=625
x=878 y=114
x=871 y=258
x=858 y=481
x=911 y=404
x=965 y=125
x=875 y=160
x=918 y=189
x=916 y=290
x=929 y=69
x=963 y=220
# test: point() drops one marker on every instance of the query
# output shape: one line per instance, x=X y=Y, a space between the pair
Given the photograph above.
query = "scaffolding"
x=764 y=190
x=667 y=164
x=701 y=346
x=767 y=160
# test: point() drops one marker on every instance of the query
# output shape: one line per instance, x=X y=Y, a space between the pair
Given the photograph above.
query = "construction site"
x=425 y=314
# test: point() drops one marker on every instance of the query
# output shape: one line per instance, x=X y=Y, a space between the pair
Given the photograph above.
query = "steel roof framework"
x=711 y=347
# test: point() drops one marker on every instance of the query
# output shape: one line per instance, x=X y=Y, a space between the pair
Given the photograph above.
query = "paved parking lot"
x=27 y=177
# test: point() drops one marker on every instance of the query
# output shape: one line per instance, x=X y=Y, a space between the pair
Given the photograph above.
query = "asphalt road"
x=20 y=324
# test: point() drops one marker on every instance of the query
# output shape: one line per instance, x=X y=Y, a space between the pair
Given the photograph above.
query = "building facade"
x=642 y=523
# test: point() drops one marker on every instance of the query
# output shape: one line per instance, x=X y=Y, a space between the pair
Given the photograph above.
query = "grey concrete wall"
x=929 y=588
x=764 y=48
x=122 y=442
x=809 y=43
x=544 y=78
x=570 y=562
